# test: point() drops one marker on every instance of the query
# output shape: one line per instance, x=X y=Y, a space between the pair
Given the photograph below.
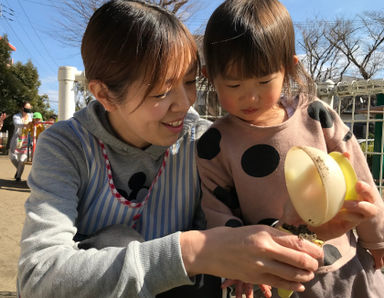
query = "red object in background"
x=10 y=45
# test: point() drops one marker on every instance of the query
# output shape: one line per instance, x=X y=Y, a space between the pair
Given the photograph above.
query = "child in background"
x=52 y=119
x=249 y=49
x=36 y=127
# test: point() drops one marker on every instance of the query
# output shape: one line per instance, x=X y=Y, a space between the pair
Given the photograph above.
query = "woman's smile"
x=175 y=126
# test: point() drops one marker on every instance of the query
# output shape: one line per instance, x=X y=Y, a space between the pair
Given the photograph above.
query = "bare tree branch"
x=361 y=41
x=76 y=13
x=322 y=57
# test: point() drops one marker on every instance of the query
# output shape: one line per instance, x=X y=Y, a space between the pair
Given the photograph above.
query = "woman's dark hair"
x=128 y=40
x=253 y=38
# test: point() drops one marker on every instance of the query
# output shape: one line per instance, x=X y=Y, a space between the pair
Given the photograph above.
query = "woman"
x=18 y=147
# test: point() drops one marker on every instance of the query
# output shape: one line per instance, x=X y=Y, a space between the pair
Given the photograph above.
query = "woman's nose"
x=183 y=99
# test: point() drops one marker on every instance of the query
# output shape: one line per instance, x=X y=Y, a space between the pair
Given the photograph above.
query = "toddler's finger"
x=227 y=283
x=365 y=192
x=362 y=208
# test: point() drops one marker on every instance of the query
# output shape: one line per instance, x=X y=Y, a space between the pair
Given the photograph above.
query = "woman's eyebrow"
x=189 y=71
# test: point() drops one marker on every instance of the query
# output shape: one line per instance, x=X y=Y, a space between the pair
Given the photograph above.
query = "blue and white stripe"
x=170 y=206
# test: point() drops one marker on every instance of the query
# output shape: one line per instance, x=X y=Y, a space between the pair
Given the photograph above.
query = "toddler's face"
x=255 y=100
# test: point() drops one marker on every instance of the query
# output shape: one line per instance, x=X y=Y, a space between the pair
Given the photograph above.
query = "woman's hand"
x=350 y=215
x=256 y=254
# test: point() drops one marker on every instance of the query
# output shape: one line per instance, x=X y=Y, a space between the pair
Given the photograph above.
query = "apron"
x=168 y=206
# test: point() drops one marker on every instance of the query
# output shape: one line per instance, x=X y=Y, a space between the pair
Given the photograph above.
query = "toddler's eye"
x=264 y=82
x=233 y=86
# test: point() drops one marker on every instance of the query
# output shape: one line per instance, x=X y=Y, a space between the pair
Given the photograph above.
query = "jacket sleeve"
x=17 y=121
x=340 y=138
x=219 y=198
x=52 y=265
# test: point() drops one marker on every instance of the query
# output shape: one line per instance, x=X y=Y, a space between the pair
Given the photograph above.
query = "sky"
x=31 y=26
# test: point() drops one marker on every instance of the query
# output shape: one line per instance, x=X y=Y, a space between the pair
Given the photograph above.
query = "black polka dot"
x=331 y=254
x=136 y=183
x=319 y=112
x=208 y=145
x=260 y=160
x=233 y=223
x=227 y=197
x=348 y=136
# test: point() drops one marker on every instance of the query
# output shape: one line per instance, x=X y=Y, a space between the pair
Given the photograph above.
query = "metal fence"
x=359 y=103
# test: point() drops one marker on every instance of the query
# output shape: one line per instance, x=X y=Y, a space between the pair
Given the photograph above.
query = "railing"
x=359 y=103
x=361 y=106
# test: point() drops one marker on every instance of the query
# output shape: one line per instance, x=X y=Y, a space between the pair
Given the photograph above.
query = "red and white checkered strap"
x=117 y=195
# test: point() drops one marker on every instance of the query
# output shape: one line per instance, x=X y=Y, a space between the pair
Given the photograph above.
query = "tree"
x=19 y=82
x=82 y=96
x=335 y=48
x=322 y=59
x=360 y=42
x=76 y=13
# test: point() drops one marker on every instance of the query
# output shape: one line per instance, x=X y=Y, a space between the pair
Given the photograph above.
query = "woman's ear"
x=100 y=92
x=295 y=59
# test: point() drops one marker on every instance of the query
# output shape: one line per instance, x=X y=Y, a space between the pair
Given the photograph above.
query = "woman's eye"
x=161 y=96
x=190 y=82
x=233 y=86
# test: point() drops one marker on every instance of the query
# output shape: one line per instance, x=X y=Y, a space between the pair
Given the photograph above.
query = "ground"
x=12 y=198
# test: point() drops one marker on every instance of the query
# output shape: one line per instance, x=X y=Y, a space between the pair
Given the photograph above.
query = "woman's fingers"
x=278 y=282
x=252 y=252
x=285 y=271
x=291 y=248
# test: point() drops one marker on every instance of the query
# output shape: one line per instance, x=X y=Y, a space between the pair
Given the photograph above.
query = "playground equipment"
x=67 y=76
x=328 y=91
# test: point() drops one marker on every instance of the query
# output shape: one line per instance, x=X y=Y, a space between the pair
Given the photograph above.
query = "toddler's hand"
x=378 y=256
x=246 y=288
x=351 y=214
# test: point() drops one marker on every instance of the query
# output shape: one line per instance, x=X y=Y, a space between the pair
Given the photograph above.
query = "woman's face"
x=156 y=118
x=27 y=108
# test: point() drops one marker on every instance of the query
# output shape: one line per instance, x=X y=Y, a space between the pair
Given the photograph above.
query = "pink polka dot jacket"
x=242 y=178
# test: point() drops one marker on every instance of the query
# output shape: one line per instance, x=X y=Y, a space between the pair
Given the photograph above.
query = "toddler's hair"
x=254 y=38
x=130 y=40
